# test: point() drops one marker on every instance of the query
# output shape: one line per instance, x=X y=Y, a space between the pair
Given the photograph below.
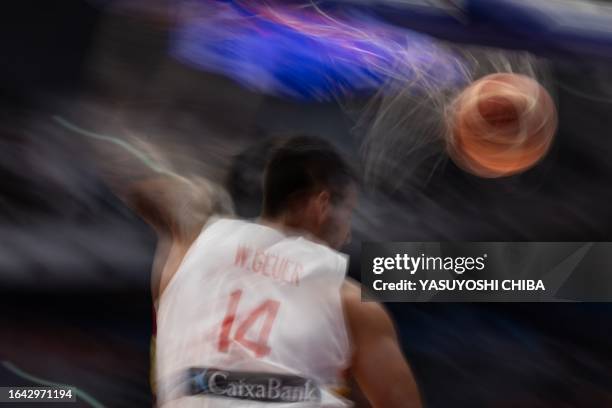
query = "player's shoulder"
x=225 y=225
x=320 y=253
x=351 y=290
x=363 y=315
x=223 y=221
x=312 y=246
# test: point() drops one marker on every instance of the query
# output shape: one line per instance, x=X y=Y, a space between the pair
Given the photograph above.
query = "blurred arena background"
x=75 y=262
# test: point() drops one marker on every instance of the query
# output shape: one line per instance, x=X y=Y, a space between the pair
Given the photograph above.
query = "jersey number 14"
x=266 y=310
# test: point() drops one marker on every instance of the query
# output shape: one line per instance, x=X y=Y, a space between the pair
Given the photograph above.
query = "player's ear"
x=323 y=204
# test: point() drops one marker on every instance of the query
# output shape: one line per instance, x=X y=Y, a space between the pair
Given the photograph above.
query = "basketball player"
x=257 y=314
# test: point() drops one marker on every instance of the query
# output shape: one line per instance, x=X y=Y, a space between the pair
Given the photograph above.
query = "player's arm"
x=378 y=364
x=176 y=206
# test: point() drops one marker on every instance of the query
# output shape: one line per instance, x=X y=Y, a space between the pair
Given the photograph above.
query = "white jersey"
x=248 y=298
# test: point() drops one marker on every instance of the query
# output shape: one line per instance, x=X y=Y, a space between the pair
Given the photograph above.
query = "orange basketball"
x=501 y=125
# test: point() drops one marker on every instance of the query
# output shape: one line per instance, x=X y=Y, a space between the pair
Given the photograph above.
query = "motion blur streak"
x=142 y=156
x=304 y=52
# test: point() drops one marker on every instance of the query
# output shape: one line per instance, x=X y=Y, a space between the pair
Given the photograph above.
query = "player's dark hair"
x=300 y=166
